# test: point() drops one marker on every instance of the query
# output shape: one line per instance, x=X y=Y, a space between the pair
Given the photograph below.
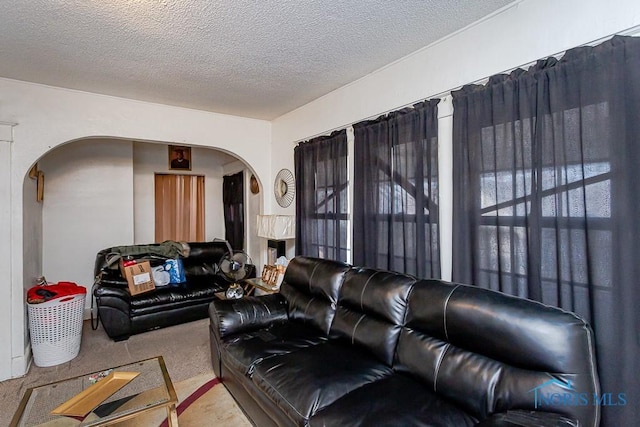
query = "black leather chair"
x=123 y=315
x=349 y=346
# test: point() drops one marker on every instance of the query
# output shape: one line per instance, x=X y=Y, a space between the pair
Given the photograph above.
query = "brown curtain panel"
x=179 y=208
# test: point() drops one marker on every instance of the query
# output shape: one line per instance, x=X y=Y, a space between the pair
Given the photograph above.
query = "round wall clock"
x=284 y=187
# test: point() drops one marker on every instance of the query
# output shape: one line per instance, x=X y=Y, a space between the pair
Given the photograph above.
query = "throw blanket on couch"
x=166 y=249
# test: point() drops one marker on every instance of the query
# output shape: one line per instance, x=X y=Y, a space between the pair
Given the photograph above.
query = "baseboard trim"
x=20 y=364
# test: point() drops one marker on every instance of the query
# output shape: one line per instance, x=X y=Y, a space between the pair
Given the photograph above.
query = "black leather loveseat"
x=123 y=315
x=348 y=346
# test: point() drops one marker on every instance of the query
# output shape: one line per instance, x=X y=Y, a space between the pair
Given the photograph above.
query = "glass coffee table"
x=150 y=389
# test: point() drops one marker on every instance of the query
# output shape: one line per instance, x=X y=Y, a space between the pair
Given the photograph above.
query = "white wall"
x=48 y=117
x=6 y=140
x=32 y=235
x=518 y=35
x=527 y=31
x=87 y=206
x=149 y=159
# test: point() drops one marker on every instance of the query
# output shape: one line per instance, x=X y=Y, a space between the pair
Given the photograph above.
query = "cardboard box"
x=138 y=277
x=122 y=263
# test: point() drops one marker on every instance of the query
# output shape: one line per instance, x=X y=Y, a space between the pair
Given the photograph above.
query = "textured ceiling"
x=252 y=58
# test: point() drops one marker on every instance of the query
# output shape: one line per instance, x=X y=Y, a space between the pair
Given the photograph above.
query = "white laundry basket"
x=56 y=329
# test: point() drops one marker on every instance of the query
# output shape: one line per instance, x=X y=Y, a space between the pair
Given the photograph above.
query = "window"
x=322 y=222
x=396 y=192
x=524 y=199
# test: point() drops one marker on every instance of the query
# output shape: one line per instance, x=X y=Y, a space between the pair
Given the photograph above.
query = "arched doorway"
x=97 y=193
x=100 y=193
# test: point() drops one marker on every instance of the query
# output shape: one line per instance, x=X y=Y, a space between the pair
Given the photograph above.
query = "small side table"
x=250 y=285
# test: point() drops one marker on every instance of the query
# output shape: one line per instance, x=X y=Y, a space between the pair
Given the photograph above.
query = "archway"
x=98 y=193
x=59 y=116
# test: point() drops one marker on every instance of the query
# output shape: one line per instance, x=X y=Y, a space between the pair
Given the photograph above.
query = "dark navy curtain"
x=395 y=218
x=233 y=206
x=322 y=221
x=546 y=198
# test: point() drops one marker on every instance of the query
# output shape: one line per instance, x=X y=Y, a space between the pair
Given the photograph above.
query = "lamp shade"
x=277 y=227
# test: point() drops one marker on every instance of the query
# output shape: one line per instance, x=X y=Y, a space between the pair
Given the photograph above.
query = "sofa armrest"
x=100 y=290
x=522 y=418
x=111 y=278
x=247 y=314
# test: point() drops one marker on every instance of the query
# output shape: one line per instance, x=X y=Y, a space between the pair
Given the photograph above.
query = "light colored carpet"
x=211 y=406
x=185 y=349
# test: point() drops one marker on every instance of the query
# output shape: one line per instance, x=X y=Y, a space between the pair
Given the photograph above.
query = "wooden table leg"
x=172 y=415
x=249 y=289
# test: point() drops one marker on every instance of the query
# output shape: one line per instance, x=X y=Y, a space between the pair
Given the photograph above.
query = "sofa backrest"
x=490 y=352
x=202 y=259
x=311 y=287
x=371 y=310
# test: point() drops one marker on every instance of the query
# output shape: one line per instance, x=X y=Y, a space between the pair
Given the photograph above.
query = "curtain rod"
x=628 y=32
x=374 y=116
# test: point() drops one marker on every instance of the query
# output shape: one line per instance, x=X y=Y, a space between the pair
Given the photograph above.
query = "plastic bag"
x=176 y=271
x=161 y=277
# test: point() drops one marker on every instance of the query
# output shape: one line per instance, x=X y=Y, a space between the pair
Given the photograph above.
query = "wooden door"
x=179 y=207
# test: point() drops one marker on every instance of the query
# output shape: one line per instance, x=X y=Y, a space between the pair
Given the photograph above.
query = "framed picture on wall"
x=179 y=158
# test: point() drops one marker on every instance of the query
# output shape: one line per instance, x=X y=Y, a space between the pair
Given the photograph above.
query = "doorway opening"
x=179 y=208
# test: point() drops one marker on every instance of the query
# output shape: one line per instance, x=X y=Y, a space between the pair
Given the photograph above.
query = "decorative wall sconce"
x=253 y=184
x=38 y=175
x=33 y=172
x=40 y=187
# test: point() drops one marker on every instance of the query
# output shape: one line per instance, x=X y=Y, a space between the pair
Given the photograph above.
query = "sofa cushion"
x=311 y=287
x=305 y=381
x=243 y=351
x=174 y=296
x=208 y=253
x=113 y=278
x=519 y=418
x=478 y=384
x=371 y=310
x=397 y=400
x=490 y=352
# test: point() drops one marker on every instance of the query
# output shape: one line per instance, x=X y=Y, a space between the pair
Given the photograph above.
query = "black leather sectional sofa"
x=123 y=315
x=349 y=346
